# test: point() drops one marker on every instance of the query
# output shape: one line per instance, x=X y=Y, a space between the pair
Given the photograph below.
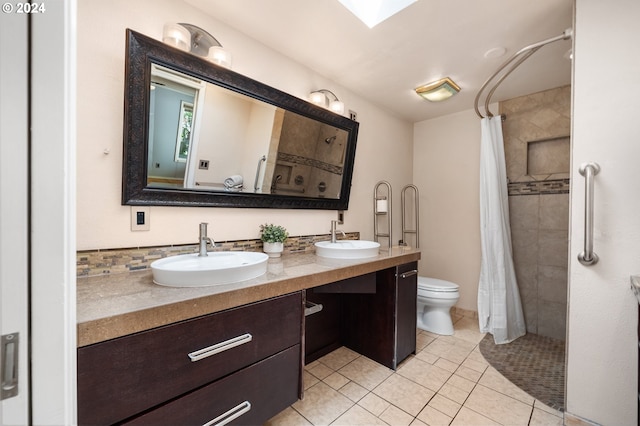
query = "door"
x=14 y=213
x=602 y=346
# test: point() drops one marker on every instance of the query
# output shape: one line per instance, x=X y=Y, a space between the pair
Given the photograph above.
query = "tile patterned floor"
x=533 y=363
x=447 y=382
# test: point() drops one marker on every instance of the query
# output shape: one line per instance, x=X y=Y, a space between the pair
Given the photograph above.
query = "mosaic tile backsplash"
x=114 y=261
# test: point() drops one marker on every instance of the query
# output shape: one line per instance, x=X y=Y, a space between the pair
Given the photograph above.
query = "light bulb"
x=219 y=56
x=318 y=98
x=177 y=36
x=337 y=107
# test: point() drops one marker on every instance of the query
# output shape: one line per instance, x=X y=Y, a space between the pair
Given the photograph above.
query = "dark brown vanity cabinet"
x=243 y=363
x=373 y=314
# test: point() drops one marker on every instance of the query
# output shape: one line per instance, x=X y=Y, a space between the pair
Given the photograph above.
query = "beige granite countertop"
x=111 y=306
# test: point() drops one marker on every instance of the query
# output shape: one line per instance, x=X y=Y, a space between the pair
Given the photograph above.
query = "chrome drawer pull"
x=409 y=274
x=219 y=347
x=230 y=415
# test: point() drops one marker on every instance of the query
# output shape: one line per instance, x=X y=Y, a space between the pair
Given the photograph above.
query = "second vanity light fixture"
x=191 y=38
x=326 y=98
x=438 y=90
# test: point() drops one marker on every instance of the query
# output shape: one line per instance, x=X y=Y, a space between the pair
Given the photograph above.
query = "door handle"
x=10 y=343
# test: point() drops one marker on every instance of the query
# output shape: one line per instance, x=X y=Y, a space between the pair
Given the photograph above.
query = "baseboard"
x=464 y=313
x=573 y=420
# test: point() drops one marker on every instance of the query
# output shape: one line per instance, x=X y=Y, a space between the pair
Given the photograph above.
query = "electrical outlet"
x=140 y=218
x=353 y=115
x=203 y=165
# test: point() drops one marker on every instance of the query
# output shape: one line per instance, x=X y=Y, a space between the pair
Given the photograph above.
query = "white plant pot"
x=273 y=249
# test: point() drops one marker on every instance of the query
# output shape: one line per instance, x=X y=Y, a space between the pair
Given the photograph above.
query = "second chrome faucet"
x=334 y=230
x=203 y=240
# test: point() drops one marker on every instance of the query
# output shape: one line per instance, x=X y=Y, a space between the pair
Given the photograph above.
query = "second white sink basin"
x=224 y=267
x=347 y=249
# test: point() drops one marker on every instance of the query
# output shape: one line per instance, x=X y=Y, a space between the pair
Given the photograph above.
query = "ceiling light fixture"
x=194 y=39
x=326 y=98
x=438 y=90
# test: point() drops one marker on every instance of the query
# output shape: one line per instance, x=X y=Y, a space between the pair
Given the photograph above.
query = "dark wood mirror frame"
x=141 y=52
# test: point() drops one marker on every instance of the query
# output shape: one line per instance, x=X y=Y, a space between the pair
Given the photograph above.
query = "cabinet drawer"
x=256 y=393
x=125 y=376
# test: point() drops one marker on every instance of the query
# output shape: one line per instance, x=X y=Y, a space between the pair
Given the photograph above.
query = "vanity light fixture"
x=197 y=41
x=438 y=90
x=326 y=98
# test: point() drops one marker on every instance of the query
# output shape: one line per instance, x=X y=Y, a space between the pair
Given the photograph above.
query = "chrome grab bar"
x=260 y=161
x=230 y=415
x=588 y=170
x=379 y=196
x=219 y=347
x=416 y=207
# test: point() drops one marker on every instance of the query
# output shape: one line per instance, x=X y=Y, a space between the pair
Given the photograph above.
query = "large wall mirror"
x=196 y=134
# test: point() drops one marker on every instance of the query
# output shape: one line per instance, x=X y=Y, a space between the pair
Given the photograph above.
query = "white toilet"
x=435 y=299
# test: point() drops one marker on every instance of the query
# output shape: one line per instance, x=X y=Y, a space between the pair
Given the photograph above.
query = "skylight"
x=372 y=12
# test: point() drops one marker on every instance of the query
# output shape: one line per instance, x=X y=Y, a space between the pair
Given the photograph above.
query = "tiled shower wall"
x=536 y=138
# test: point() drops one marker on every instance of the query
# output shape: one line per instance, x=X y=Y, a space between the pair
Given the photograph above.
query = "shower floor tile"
x=533 y=363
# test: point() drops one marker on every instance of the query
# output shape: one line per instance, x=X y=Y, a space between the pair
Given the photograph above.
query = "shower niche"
x=537 y=150
x=549 y=159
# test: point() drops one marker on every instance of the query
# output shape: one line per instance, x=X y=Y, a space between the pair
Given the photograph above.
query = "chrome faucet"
x=334 y=230
x=203 y=240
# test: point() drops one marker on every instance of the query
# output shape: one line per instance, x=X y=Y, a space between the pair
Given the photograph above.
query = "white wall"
x=446 y=164
x=383 y=151
x=602 y=346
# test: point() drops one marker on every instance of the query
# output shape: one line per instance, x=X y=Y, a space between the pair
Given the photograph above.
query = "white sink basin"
x=225 y=267
x=347 y=249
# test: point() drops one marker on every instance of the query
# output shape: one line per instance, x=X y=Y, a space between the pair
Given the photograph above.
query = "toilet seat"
x=436 y=285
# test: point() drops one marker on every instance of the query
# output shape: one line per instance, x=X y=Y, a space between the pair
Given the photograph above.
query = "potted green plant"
x=273 y=237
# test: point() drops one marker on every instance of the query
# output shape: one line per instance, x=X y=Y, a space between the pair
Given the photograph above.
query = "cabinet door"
x=382 y=326
x=254 y=395
x=406 y=310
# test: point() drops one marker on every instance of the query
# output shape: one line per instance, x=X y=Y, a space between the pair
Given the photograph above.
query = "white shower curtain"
x=499 y=306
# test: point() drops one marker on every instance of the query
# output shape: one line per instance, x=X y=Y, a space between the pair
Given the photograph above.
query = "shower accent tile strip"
x=298 y=159
x=115 y=261
x=557 y=186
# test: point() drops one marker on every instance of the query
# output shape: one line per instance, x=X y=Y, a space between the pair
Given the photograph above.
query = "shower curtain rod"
x=521 y=56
